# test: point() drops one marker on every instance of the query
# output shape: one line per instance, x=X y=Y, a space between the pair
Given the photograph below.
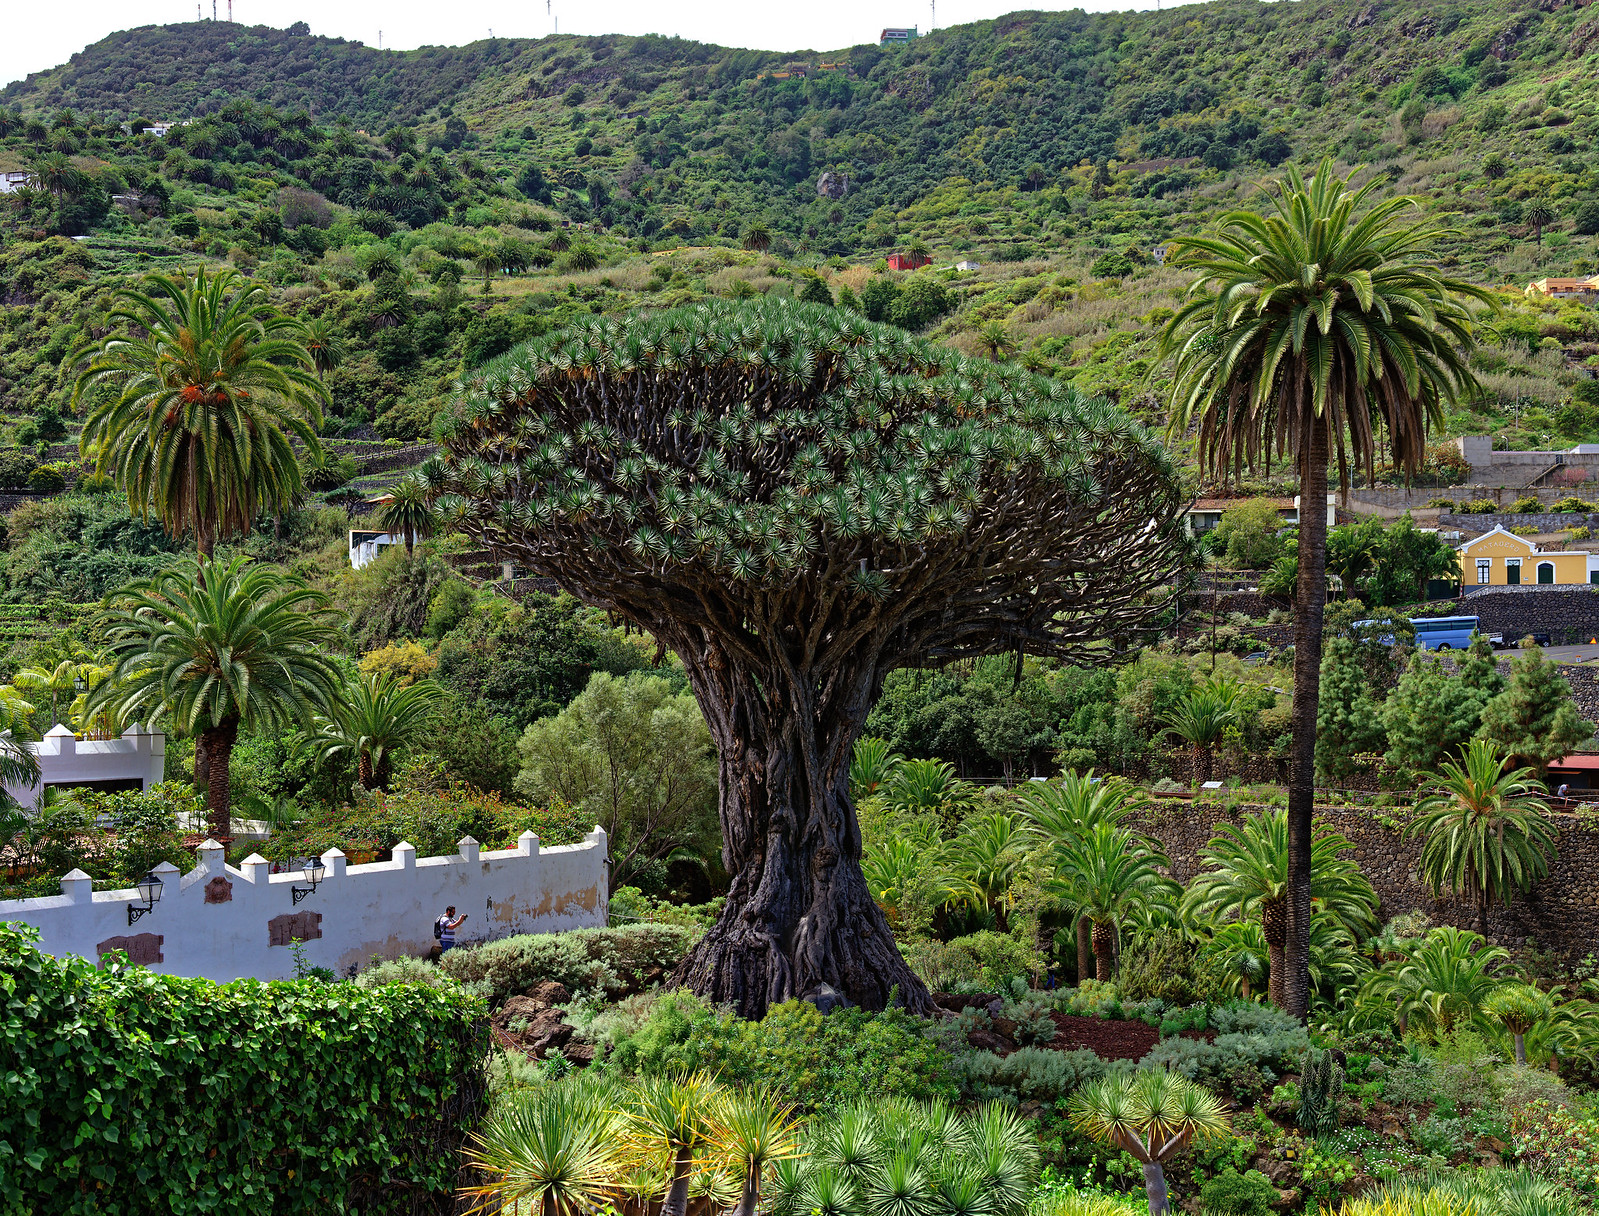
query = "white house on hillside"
x=134 y=762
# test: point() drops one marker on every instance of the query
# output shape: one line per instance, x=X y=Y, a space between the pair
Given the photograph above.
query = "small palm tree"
x=1153 y=1115
x=1240 y=948
x=488 y=261
x=1307 y=332
x=985 y=860
x=1485 y=834
x=58 y=681
x=1062 y=811
x=754 y=1131
x=996 y=340
x=409 y=512
x=758 y=237
x=1203 y=717
x=1519 y=1007
x=1249 y=880
x=918 y=249
x=1538 y=215
x=191 y=409
x=374 y=718
x=324 y=344
x=1105 y=875
x=872 y=763
x=209 y=647
x=553 y=1147
x=1446 y=979
x=919 y=787
x=672 y=1120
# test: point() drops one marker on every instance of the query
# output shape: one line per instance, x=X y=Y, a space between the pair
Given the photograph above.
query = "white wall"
x=66 y=760
x=224 y=923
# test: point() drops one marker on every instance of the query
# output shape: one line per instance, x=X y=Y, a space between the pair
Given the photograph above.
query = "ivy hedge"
x=124 y=1091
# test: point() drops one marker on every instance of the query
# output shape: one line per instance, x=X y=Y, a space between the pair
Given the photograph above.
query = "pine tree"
x=1430 y=715
x=1347 y=718
x=1534 y=719
x=1479 y=671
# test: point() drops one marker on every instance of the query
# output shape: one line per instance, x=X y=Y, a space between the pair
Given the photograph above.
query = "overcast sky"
x=39 y=36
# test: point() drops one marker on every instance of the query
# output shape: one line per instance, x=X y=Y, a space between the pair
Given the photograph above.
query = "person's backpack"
x=438 y=929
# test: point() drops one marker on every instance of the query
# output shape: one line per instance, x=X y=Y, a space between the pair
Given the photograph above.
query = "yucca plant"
x=797 y=502
x=754 y=1130
x=1152 y=1115
x=553 y=1147
x=671 y=1121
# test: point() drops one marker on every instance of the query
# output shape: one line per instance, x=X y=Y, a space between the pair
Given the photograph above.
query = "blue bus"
x=1436 y=632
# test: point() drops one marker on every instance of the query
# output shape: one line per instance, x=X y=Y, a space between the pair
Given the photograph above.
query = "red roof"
x=1585 y=762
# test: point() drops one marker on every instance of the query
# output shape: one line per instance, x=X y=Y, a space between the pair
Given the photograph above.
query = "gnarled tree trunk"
x=799 y=918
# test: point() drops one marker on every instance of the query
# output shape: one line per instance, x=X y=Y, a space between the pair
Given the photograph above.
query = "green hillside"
x=570 y=175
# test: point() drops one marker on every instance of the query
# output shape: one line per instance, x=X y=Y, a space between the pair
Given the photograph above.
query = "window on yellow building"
x=1485 y=567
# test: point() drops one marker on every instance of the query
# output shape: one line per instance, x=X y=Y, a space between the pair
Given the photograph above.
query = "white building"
x=134 y=762
x=13 y=180
x=368 y=546
x=968 y=264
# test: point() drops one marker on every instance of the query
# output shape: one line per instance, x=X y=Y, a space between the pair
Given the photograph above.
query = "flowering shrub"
x=1559 y=1144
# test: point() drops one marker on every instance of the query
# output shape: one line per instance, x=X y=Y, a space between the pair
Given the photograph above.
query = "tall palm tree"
x=324 y=344
x=409 y=512
x=55 y=172
x=1538 y=215
x=59 y=681
x=374 y=718
x=1154 y=1115
x=1202 y=718
x=1307 y=330
x=208 y=647
x=1484 y=834
x=1063 y=811
x=193 y=418
x=1105 y=875
x=1249 y=879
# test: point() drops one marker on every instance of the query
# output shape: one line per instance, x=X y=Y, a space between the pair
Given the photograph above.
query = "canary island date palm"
x=797 y=502
x=374 y=718
x=1315 y=331
x=1154 y=1115
x=1061 y=811
x=192 y=405
x=1202 y=718
x=1485 y=834
x=1444 y=980
x=1248 y=879
x=208 y=646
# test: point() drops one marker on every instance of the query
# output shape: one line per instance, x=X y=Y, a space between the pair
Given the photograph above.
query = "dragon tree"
x=797 y=502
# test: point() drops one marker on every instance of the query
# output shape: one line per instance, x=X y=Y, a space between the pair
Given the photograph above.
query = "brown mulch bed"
x=1107 y=1038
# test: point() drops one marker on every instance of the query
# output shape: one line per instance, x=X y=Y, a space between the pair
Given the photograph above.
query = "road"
x=1558 y=654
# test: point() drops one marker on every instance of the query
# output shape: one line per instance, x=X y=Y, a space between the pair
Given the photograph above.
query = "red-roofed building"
x=908 y=261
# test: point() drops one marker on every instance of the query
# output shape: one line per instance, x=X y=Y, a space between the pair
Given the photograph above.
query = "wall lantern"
x=149 y=888
x=314 y=870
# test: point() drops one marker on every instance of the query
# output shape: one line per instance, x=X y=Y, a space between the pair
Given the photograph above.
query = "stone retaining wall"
x=1550 y=522
x=1561 y=913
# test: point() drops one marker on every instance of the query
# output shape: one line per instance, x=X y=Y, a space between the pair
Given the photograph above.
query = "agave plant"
x=1152 y=1115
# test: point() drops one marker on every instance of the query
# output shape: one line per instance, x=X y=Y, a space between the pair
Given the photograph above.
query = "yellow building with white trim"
x=1500 y=558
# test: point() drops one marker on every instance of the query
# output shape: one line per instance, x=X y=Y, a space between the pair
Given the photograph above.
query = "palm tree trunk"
x=1104 y=950
x=364 y=772
x=1309 y=603
x=218 y=742
x=1274 y=924
x=1155 y=1189
x=677 y=1194
x=1085 y=948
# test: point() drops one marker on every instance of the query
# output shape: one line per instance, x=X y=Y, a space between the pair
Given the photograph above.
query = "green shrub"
x=1321 y=1085
x=815 y=1061
x=130 y=1092
x=1526 y=505
x=1479 y=506
x=1230 y=1193
x=404 y=971
x=1160 y=964
x=1029 y=1072
x=589 y=962
x=1235 y=1063
x=1572 y=505
x=46 y=480
x=985 y=962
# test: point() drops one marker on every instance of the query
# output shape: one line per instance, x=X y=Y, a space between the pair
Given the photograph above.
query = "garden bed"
x=1110 y=1039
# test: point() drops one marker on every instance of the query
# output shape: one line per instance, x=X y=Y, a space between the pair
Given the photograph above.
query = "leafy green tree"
x=636 y=756
x=209 y=646
x=1430 y=715
x=1534 y=720
x=1348 y=721
x=191 y=410
x=1153 y=1115
x=1246 y=535
x=1248 y=878
x=732 y=524
x=1485 y=833
x=816 y=291
x=374 y=718
x=1405 y=559
x=1478 y=670
x=1306 y=331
